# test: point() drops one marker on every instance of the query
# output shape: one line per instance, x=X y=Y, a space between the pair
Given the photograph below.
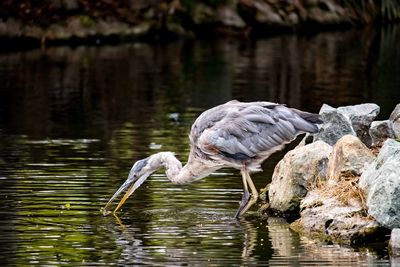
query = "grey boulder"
x=381 y=184
x=380 y=131
x=395 y=119
x=335 y=125
x=354 y=120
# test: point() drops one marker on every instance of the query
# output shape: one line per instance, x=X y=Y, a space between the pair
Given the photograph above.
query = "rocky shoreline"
x=78 y=21
x=343 y=184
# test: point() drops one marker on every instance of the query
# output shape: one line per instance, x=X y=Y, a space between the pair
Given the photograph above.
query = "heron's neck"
x=193 y=170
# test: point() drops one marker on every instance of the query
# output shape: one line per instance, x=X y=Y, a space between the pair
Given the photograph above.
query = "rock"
x=361 y=117
x=203 y=14
x=70 y=4
x=309 y=3
x=395 y=119
x=295 y=174
x=349 y=158
x=174 y=27
x=380 y=131
x=326 y=12
x=265 y=14
x=293 y=19
x=332 y=6
x=381 y=184
x=33 y=31
x=230 y=17
x=335 y=125
x=65 y=4
x=57 y=32
x=321 y=16
x=394 y=243
x=328 y=218
x=395 y=261
x=10 y=28
x=354 y=120
x=141 y=29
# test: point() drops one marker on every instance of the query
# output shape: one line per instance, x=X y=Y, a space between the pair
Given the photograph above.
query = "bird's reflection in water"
x=191 y=234
x=182 y=234
x=131 y=248
x=250 y=237
x=119 y=222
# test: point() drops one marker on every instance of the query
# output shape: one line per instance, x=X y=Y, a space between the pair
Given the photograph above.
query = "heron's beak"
x=119 y=191
x=132 y=181
x=127 y=194
x=130 y=191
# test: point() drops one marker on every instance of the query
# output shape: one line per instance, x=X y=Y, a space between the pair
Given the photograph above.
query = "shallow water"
x=74 y=120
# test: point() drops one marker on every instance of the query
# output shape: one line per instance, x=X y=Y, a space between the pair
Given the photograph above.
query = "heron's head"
x=137 y=175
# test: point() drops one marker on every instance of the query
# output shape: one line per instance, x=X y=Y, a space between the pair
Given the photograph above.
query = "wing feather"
x=238 y=130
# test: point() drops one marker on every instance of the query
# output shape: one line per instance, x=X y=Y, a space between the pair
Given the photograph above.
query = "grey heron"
x=235 y=134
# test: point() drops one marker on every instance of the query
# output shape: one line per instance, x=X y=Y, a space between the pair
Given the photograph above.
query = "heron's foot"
x=105 y=212
x=247 y=206
x=243 y=203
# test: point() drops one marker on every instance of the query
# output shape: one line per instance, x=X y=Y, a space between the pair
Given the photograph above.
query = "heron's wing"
x=253 y=130
x=215 y=115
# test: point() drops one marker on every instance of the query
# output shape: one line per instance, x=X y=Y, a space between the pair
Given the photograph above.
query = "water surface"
x=74 y=120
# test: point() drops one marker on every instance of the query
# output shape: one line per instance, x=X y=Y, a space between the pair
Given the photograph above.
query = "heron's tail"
x=308 y=122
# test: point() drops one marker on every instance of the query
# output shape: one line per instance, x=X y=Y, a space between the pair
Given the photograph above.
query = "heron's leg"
x=246 y=195
x=254 y=194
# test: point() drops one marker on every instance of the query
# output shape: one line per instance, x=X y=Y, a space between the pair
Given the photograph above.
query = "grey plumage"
x=235 y=134
x=252 y=131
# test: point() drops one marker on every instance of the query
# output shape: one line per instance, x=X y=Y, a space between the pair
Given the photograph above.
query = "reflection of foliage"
x=390 y=10
x=387 y=82
x=122 y=142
